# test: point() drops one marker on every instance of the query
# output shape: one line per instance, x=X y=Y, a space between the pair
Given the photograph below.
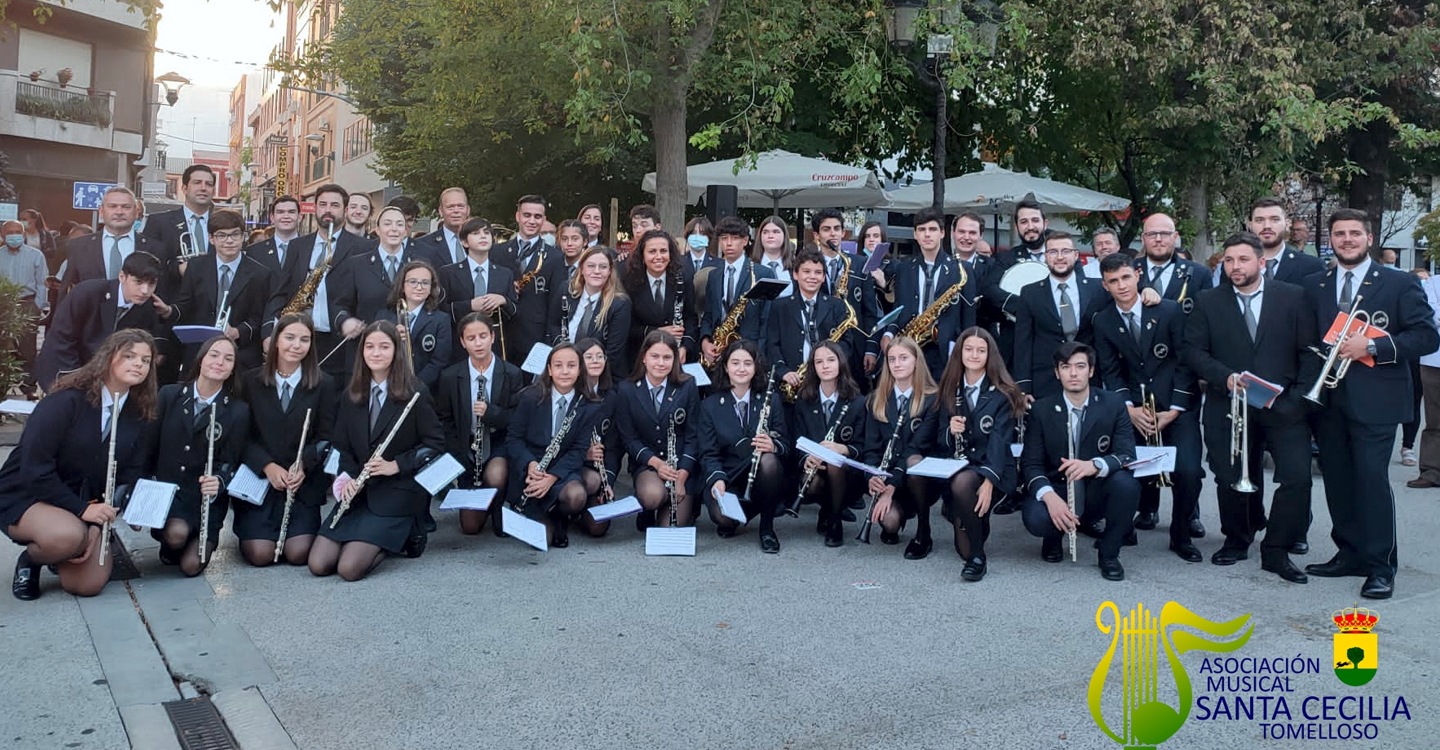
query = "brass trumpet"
x=1240 y=438
x=1335 y=368
x=1154 y=439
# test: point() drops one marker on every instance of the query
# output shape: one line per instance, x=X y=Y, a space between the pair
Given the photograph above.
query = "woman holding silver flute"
x=385 y=431
x=52 y=485
x=283 y=393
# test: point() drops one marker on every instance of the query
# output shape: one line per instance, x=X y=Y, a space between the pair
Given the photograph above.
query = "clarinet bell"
x=864 y=536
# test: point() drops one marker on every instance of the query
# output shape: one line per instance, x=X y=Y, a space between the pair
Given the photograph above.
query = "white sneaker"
x=1407 y=457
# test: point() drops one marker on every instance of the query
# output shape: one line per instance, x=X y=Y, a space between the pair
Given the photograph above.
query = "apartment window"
x=357 y=140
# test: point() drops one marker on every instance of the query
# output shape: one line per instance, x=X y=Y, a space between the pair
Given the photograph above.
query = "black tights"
x=179 y=537
x=261 y=552
x=922 y=492
x=495 y=474
x=765 y=495
x=572 y=500
x=591 y=478
x=971 y=528
x=650 y=491
x=352 y=560
x=828 y=488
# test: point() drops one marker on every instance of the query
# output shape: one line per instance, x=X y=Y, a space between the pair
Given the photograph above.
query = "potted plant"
x=34 y=76
x=64 y=75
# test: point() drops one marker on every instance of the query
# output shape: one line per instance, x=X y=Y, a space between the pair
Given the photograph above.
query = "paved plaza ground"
x=484 y=643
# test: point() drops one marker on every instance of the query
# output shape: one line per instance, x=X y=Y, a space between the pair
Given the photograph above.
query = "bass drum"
x=1021 y=274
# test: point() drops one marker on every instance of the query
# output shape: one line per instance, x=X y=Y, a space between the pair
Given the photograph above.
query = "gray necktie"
x=655 y=396
x=456 y=251
x=1251 y=322
x=729 y=286
x=105 y=423
x=659 y=295
x=280 y=248
x=392 y=267
x=197 y=233
x=829 y=407
x=586 y=318
x=480 y=282
x=224 y=280
x=1068 y=322
x=1270 y=268
x=1347 y=292
x=1155 y=272
x=1077 y=420
x=742 y=411
x=810 y=323
x=902 y=405
x=834 y=274
x=480 y=426
x=410 y=320
x=559 y=416
x=970 y=391
x=116 y=259
x=200 y=417
x=1133 y=321
x=928 y=293
x=374 y=405
x=285 y=393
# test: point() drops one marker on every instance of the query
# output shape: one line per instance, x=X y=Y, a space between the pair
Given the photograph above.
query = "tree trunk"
x=1370 y=150
x=667 y=118
x=1197 y=205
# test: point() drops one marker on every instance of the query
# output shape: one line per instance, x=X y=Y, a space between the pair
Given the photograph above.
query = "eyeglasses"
x=417 y=282
x=595 y=357
x=1056 y=252
x=236 y=236
x=1157 y=235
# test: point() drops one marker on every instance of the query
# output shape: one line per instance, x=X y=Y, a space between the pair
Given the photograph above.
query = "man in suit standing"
x=97 y=308
x=846 y=280
x=1081 y=436
x=101 y=255
x=1030 y=223
x=1164 y=275
x=965 y=236
x=1139 y=352
x=274 y=251
x=1263 y=327
x=226 y=289
x=183 y=231
x=532 y=262
x=1356 y=428
x=726 y=288
x=476 y=285
x=1282 y=262
x=1053 y=311
x=920 y=282
x=442 y=247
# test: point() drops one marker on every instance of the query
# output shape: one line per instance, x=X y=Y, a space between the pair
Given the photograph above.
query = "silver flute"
x=290 y=493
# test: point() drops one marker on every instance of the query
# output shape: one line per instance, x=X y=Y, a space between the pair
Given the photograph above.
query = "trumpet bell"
x=1244 y=485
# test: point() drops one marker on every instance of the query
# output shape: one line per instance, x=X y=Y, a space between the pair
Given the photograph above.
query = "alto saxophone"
x=727 y=332
x=790 y=391
x=304 y=298
x=921 y=328
x=530 y=275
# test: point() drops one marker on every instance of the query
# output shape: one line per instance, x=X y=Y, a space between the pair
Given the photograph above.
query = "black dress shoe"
x=1007 y=505
x=727 y=531
x=1146 y=521
x=857 y=503
x=168 y=556
x=1130 y=540
x=847 y=515
x=919 y=548
x=889 y=537
x=1229 y=555
x=1300 y=548
x=26 y=585
x=1050 y=550
x=835 y=535
x=1092 y=529
x=562 y=537
x=1333 y=568
x=1378 y=587
x=1111 y=569
x=974 y=569
x=1285 y=569
x=822 y=524
x=644 y=520
x=429 y=523
x=769 y=543
x=415 y=545
x=1187 y=552
x=1197 y=529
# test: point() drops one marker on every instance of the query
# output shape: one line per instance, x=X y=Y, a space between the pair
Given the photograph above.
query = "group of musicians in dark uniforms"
x=331 y=365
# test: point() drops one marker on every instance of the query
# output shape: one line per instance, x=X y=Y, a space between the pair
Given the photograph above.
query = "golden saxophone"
x=921 y=328
x=304 y=298
x=726 y=333
x=530 y=275
x=790 y=391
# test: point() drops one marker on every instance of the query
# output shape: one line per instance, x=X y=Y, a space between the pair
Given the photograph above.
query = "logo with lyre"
x=1357 y=648
x=1145 y=720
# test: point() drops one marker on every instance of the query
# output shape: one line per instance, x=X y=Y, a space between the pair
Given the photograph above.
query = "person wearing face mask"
x=24 y=266
x=547 y=232
x=700 y=245
x=96 y=308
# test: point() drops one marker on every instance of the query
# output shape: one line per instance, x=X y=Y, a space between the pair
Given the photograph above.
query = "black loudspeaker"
x=720 y=202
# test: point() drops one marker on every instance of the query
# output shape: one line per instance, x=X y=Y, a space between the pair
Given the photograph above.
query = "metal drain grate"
x=123 y=567
x=198 y=725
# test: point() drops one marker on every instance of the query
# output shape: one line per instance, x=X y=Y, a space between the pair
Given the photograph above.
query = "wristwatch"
x=1370 y=347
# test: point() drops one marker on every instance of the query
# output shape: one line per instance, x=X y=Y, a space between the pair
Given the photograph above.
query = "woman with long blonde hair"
x=902 y=400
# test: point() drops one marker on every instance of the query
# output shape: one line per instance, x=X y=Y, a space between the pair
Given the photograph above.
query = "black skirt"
x=360 y=524
x=263 y=521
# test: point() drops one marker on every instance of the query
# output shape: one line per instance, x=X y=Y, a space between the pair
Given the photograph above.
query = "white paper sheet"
x=535 y=361
x=332 y=462
x=150 y=503
x=893 y=316
x=1151 y=461
x=730 y=507
x=18 y=406
x=819 y=451
x=438 y=474
x=697 y=371
x=195 y=334
x=1016 y=449
x=625 y=506
x=523 y=528
x=938 y=468
x=248 y=486
x=669 y=541
x=468 y=499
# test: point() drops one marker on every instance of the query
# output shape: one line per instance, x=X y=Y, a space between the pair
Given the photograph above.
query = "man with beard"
x=1282 y=261
x=1051 y=312
x=1356 y=428
x=1262 y=327
x=532 y=261
x=357 y=214
x=1162 y=273
x=1030 y=223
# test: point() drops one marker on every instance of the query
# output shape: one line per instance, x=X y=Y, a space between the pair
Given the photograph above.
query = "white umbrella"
x=997 y=190
x=782 y=177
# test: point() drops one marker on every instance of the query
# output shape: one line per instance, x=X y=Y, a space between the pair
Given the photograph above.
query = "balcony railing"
x=61 y=104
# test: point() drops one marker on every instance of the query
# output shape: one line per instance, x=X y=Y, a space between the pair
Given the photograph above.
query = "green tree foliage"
x=1356 y=655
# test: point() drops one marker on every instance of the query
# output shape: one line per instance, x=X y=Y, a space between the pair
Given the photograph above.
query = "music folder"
x=765 y=290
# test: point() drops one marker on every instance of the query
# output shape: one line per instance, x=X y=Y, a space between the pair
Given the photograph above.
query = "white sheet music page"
x=535 y=361
x=938 y=468
x=149 y=504
x=332 y=462
x=18 y=406
x=523 y=528
x=671 y=542
x=625 y=506
x=730 y=507
x=468 y=499
x=697 y=371
x=438 y=474
x=248 y=486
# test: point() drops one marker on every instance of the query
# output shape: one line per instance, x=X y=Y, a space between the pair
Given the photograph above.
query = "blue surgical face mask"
x=14 y=240
x=139 y=223
x=698 y=241
x=548 y=238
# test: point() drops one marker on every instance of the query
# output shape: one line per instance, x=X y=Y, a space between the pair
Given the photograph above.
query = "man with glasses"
x=226 y=289
x=1051 y=312
x=1163 y=274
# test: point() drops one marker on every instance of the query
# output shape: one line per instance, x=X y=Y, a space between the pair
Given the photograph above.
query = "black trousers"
x=1357 y=488
x=1243 y=514
x=1114 y=498
x=1184 y=435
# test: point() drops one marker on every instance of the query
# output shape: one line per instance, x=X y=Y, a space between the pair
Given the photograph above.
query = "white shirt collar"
x=293 y=380
x=195 y=392
x=384 y=389
x=489 y=372
x=745 y=399
x=906 y=393
x=107 y=401
x=653 y=279
x=128 y=235
x=385 y=255
x=1360 y=271
x=190 y=218
x=555 y=397
x=979 y=385
x=1134 y=308
x=738 y=265
x=832 y=398
x=1056 y=280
